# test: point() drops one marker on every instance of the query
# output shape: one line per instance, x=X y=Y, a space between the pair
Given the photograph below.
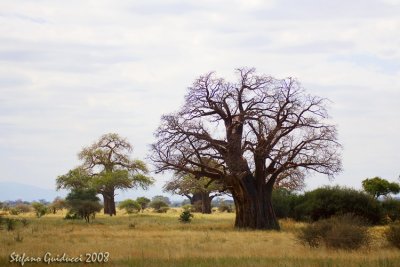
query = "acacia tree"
x=259 y=130
x=380 y=187
x=107 y=167
x=198 y=190
x=143 y=202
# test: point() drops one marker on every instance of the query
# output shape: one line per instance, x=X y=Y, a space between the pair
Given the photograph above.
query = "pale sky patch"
x=72 y=71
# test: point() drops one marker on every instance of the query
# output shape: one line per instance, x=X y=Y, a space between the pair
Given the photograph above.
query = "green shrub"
x=284 y=202
x=186 y=216
x=346 y=232
x=393 y=235
x=159 y=206
x=130 y=206
x=83 y=203
x=14 y=211
x=40 y=209
x=325 y=202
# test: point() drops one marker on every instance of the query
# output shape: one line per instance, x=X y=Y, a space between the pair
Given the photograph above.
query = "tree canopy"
x=83 y=202
x=380 y=187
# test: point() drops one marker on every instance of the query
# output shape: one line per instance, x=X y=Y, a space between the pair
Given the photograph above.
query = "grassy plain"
x=152 y=239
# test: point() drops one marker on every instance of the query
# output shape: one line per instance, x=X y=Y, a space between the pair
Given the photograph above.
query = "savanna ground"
x=151 y=239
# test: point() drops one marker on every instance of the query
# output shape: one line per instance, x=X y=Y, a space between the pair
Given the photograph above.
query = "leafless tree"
x=259 y=130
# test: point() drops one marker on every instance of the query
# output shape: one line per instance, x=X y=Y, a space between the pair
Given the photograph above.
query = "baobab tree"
x=200 y=190
x=106 y=167
x=259 y=130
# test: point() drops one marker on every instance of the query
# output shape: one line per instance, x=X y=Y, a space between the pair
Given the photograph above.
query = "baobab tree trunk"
x=254 y=205
x=196 y=201
x=206 y=203
x=109 y=203
x=105 y=201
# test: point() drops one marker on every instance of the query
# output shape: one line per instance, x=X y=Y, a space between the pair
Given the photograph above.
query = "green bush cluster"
x=325 y=202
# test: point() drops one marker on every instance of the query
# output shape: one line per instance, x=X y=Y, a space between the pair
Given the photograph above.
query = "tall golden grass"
x=151 y=239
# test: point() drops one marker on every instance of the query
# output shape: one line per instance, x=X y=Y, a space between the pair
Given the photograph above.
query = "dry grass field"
x=152 y=239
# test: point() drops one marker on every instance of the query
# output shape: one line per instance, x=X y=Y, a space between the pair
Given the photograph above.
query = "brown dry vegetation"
x=152 y=239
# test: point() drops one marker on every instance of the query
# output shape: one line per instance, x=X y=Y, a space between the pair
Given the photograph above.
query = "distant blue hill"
x=15 y=191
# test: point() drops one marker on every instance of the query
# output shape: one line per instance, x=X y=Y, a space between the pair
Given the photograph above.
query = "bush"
x=393 y=235
x=325 y=202
x=341 y=232
x=130 y=206
x=391 y=209
x=186 y=216
x=284 y=202
x=159 y=206
x=40 y=209
x=14 y=211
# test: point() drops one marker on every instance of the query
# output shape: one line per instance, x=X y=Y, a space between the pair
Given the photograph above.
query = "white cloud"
x=71 y=71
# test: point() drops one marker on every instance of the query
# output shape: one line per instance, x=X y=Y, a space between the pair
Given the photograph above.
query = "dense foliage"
x=130 y=206
x=83 y=203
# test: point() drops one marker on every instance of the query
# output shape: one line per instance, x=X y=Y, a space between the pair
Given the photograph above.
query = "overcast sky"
x=71 y=71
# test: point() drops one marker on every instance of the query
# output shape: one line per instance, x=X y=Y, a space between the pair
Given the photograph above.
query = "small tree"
x=57 y=204
x=129 y=205
x=40 y=209
x=159 y=205
x=380 y=187
x=186 y=216
x=143 y=202
x=84 y=203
